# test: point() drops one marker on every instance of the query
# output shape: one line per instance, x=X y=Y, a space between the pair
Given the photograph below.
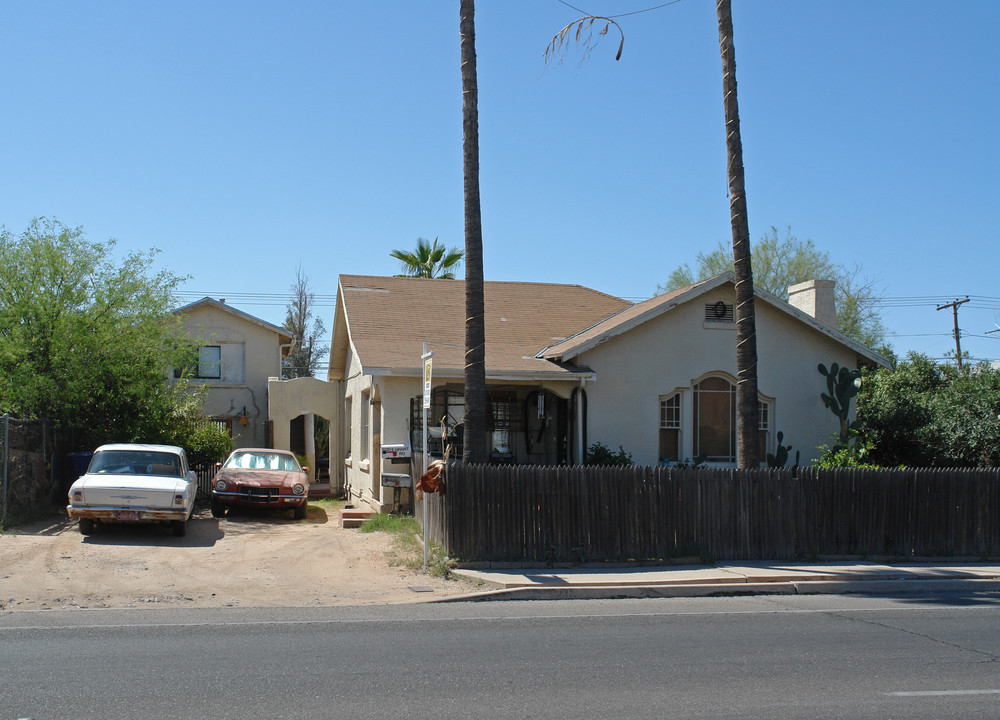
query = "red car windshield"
x=263 y=461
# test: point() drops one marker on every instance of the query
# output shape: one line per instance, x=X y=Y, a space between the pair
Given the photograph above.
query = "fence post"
x=6 y=457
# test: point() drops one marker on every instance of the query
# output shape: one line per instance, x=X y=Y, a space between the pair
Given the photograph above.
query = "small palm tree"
x=429 y=260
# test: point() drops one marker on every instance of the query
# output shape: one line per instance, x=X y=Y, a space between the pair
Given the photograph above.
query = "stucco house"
x=568 y=366
x=238 y=355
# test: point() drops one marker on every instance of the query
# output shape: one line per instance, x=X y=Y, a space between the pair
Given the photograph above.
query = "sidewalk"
x=757 y=578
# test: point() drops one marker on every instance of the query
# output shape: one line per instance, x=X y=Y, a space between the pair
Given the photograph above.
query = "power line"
x=634 y=12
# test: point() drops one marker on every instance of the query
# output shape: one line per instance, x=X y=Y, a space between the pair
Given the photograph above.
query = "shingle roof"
x=389 y=319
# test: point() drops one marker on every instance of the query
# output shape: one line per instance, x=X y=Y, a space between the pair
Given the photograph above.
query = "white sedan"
x=128 y=483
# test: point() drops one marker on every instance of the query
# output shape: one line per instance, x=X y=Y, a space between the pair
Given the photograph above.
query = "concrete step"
x=354 y=517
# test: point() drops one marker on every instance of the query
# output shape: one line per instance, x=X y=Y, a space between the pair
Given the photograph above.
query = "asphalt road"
x=744 y=657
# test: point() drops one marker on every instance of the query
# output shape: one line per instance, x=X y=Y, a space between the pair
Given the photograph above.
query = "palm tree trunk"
x=476 y=449
x=747 y=446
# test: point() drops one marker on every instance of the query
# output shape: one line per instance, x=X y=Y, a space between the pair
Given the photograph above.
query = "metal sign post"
x=426 y=357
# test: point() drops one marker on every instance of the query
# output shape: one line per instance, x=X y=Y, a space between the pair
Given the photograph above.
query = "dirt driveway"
x=246 y=559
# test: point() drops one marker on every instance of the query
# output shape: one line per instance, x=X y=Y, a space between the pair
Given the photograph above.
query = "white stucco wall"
x=250 y=354
x=287 y=399
x=677 y=349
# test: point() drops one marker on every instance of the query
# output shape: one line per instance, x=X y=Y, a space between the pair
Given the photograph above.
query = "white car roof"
x=142 y=447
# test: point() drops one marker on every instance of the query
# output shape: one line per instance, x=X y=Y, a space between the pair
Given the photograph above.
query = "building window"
x=715 y=420
x=204 y=363
x=763 y=427
x=366 y=415
x=445 y=419
x=210 y=362
x=503 y=407
x=670 y=427
x=348 y=426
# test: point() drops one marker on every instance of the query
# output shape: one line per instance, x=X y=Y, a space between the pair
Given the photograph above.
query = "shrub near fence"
x=580 y=514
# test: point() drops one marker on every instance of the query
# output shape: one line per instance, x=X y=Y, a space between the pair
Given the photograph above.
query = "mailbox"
x=399 y=451
x=396 y=480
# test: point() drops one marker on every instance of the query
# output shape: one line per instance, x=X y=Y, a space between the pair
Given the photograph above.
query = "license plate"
x=132 y=515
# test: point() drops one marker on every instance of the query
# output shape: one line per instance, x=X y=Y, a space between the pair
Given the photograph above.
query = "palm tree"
x=476 y=449
x=429 y=260
x=747 y=446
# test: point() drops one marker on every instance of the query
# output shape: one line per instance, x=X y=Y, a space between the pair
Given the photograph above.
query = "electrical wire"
x=634 y=12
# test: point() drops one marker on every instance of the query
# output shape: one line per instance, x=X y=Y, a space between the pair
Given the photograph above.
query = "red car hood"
x=261 y=478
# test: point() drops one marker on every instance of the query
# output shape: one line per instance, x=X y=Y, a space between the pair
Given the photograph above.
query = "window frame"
x=671 y=421
x=366 y=425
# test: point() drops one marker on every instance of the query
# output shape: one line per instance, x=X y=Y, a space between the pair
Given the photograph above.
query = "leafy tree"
x=476 y=448
x=89 y=342
x=966 y=412
x=780 y=262
x=923 y=414
x=306 y=331
x=429 y=260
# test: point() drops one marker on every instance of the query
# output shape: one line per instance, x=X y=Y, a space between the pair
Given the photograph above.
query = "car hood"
x=261 y=478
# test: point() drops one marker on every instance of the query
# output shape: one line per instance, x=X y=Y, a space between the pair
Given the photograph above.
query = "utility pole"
x=958 y=343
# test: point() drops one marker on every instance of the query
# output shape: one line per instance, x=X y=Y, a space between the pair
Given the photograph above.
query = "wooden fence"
x=581 y=514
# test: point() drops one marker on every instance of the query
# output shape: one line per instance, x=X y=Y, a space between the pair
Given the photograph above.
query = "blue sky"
x=243 y=139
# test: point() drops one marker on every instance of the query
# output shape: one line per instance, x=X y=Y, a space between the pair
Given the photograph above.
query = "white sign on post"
x=427 y=383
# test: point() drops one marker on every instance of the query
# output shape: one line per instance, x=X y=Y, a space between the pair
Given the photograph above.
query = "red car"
x=261 y=478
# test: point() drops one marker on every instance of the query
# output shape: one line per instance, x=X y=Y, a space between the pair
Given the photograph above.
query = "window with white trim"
x=764 y=427
x=348 y=426
x=366 y=410
x=670 y=427
x=715 y=419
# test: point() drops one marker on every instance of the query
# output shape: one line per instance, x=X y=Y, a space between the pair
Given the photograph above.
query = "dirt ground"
x=250 y=558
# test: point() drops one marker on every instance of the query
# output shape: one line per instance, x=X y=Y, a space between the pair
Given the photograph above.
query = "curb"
x=912 y=586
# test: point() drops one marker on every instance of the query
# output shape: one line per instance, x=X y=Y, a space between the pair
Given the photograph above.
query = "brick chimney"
x=815 y=297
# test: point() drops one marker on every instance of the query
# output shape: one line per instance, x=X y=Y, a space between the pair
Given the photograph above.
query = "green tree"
x=923 y=414
x=966 y=418
x=88 y=341
x=780 y=262
x=476 y=447
x=429 y=260
x=307 y=332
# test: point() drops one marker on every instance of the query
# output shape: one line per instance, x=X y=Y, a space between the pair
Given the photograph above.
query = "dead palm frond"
x=583 y=34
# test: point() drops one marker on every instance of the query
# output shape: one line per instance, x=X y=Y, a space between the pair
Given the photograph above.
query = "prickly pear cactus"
x=780 y=456
x=842 y=385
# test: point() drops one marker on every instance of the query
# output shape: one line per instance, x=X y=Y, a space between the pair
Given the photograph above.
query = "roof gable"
x=655 y=307
x=283 y=335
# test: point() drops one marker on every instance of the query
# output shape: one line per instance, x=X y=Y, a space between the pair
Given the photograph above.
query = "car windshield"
x=263 y=461
x=135 y=462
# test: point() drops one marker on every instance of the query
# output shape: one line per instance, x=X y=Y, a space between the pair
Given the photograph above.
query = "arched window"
x=715 y=420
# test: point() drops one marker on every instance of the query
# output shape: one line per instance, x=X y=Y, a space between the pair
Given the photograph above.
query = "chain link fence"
x=26 y=463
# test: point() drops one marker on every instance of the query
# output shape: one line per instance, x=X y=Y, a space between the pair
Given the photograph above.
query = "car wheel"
x=299 y=513
x=179 y=528
x=218 y=508
x=86 y=526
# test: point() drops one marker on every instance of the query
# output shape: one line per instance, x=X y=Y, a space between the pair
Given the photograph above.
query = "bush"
x=600 y=454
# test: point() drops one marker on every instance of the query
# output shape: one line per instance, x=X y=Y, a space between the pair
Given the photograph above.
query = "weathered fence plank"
x=574 y=514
